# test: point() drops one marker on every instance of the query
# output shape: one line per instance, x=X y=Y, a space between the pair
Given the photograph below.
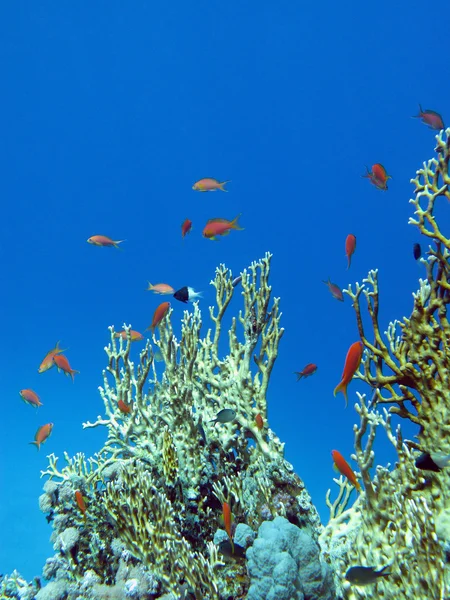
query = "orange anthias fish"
x=335 y=290
x=159 y=314
x=186 y=227
x=352 y=362
x=135 y=335
x=123 y=407
x=48 y=363
x=80 y=502
x=160 y=288
x=227 y=520
x=104 y=241
x=350 y=247
x=209 y=184
x=345 y=469
x=378 y=176
x=30 y=398
x=307 y=371
x=216 y=227
x=430 y=118
x=259 y=421
x=63 y=365
x=42 y=434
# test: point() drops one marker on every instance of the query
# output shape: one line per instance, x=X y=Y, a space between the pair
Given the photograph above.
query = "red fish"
x=135 y=335
x=159 y=314
x=186 y=227
x=227 y=520
x=30 y=398
x=345 y=469
x=216 y=227
x=209 y=184
x=307 y=371
x=335 y=290
x=63 y=365
x=430 y=118
x=160 y=288
x=259 y=421
x=352 y=362
x=80 y=502
x=104 y=241
x=378 y=176
x=48 y=363
x=350 y=247
x=123 y=407
x=42 y=434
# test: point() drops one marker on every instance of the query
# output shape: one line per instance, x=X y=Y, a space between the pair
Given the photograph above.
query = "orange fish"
x=216 y=227
x=352 y=362
x=345 y=469
x=135 y=335
x=209 y=184
x=186 y=227
x=259 y=421
x=159 y=314
x=160 y=288
x=104 y=241
x=378 y=176
x=350 y=247
x=309 y=370
x=42 y=434
x=227 y=520
x=48 y=363
x=63 y=365
x=30 y=398
x=125 y=408
x=335 y=290
x=81 y=503
x=430 y=118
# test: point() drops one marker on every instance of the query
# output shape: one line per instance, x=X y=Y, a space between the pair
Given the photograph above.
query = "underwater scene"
x=225 y=250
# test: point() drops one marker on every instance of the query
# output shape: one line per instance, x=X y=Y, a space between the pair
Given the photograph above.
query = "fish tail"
x=349 y=261
x=342 y=387
x=73 y=372
x=117 y=242
x=358 y=486
x=368 y=172
x=299 y=375
x=221 y=185
x=234 y=223
x=382 y=572
x=37 y=444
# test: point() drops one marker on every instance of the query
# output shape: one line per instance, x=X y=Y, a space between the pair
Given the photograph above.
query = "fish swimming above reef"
x=135 y=336
x=345 y=469
x=42 y=434
x=378 y=176
x=433 y=461
x=209 y=184
x=226 y=415
x=307 y=371
x=215 y=227
x=160 y=288
x=187 y=294
x=365 y=575
x=351 y=365
x=335 y=290
x=350 y=247
x=104 y=241
x=430 y=118
x=63 y=365
x=417 y=251
x=186 y=227
x=159 y=314
x=236 y=281
x=48 y=363
x=31 y=398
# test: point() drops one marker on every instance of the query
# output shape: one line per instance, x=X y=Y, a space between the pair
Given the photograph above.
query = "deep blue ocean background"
x=112 y=110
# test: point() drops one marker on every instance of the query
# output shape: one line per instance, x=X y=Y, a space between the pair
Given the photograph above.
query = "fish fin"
x=299 y=375
x=37 y=444
x=222 y=184
x=117 y=242
x=234 y=223
x=381 y=572
x=73 y=373
x=342 y=387
x=349 y=261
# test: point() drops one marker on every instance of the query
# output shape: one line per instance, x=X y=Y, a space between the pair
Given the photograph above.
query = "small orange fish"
x=135 y=335
x=186 y=227
x=227 y=520
x=104 y=241
x=48 y=363
x=378 y=176
x=63 y=365
x=42 y=434
x=159 y=314
x=335 y=290
x=352 y=362
x=430 y=118
x=345 y=469
x=309 y=370
x=216 y=227
x=350 y=247
x=30 y=398
x=160 y=288
x=209 y=184
x=259 y=421
x=123 y=407
x=80 y=502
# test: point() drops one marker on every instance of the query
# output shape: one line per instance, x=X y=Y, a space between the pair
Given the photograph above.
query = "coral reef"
x=401 y=518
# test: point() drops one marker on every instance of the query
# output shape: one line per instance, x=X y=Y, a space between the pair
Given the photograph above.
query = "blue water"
x=112 y=110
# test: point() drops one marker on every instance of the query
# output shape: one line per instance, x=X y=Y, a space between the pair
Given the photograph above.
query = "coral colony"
x=191 y=497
